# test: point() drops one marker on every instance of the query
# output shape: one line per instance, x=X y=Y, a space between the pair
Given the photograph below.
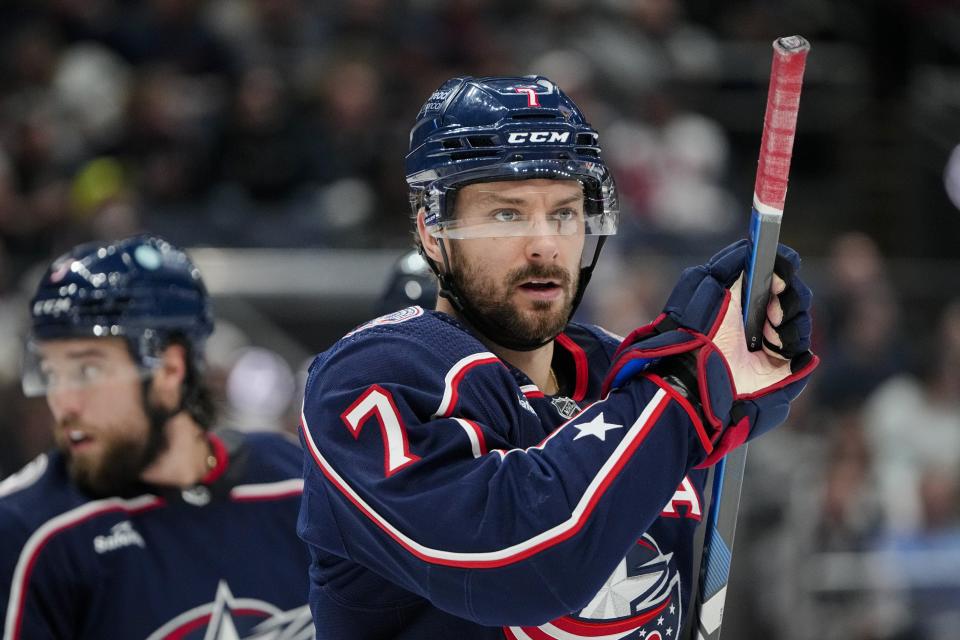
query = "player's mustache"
x=535 y=272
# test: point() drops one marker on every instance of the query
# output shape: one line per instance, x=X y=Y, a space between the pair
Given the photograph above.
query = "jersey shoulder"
x=262 y=456
x=37 y=493
x=412 y=343
x=422 y=368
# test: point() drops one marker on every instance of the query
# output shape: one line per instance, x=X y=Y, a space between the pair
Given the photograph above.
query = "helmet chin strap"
x=493 y=332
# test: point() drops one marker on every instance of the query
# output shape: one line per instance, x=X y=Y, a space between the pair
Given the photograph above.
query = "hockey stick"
x=770 y=192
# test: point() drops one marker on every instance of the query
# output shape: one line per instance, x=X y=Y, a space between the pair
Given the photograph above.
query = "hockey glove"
x=698 y=345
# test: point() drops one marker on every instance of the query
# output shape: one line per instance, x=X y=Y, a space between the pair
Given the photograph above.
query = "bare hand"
x=752 y=370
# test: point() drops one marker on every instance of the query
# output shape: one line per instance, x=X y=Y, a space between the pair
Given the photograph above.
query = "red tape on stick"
x=780 y=120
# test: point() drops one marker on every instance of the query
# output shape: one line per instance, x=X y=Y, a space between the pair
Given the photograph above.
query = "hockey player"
x=411 y=283
x=492 y=469
x=143 y=523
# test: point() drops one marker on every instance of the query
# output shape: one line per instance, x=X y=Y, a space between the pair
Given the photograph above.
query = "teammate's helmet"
x=512 y=128
x=142 y=288
x=411 y=283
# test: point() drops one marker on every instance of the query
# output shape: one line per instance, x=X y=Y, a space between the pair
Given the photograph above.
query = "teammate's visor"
x=77 y=365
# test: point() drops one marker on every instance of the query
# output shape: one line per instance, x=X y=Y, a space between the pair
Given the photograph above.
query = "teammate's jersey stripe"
x=526 y=548
x=531 y=391
x=267 y=490
x=222 y=460
x=31 y=550
x=478 y=444
x=580 y=365
x=452 y=380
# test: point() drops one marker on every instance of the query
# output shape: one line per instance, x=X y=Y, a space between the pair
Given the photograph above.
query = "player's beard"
x=492 y=301
x=117 y=470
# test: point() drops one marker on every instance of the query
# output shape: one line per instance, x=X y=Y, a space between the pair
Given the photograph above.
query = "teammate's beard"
x=124 y=460
x=494 y=304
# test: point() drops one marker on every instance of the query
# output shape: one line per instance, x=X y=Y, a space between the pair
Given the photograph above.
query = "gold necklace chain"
x=553 y=381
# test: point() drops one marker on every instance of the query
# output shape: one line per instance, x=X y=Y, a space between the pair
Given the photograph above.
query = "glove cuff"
x=692 y=360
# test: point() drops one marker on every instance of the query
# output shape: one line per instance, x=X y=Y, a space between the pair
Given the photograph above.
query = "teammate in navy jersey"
x=143 y=523
x=491 y=469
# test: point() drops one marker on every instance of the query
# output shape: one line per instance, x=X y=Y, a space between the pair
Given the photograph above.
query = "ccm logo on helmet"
x=538 y=136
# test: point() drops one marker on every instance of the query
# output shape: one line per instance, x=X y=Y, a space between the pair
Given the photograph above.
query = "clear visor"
x=492 y=207
x=78 y=365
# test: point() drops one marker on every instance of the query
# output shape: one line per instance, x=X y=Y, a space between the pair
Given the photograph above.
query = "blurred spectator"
x=291 y=35
x=170 y=33
x=672 y=168
x=12 y=323
x=628 y=290
x=264 y=149
x=165 y=142
x=849 y=517
x=832 y=515
x=861 y=315
x=348 y=145
x=925 y=560
x=102 y=199
x=91 y=86
x=914 y=426
x=260 y=390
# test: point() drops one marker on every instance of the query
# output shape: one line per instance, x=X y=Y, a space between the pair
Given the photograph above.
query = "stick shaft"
x=770 y=190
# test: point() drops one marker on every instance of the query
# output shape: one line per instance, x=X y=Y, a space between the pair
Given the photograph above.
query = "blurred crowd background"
x=268 y=136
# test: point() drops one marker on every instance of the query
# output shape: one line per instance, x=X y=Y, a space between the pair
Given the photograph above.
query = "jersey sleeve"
x=37 y=602
x=409 y=471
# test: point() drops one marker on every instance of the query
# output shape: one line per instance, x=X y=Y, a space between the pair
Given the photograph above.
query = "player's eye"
x=566 y=215
x=89 y=372
x=507 y=215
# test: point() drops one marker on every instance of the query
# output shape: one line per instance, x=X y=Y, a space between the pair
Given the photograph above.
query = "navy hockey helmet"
x=510 y=128
x=412 y=282
x=141 y=288
x=474 y=130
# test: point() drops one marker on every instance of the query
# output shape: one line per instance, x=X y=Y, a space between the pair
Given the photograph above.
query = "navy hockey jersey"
x=446 y=496
x=218 y=560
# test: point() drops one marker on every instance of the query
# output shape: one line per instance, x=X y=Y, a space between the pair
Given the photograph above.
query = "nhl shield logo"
x=565 y=406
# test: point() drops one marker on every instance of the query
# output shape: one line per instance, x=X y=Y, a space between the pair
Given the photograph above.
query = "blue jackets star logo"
x=232 y=618
x=596 y=427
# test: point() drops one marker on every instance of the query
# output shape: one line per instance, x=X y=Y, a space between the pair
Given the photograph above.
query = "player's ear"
x=169 y=376
x=430 y=245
